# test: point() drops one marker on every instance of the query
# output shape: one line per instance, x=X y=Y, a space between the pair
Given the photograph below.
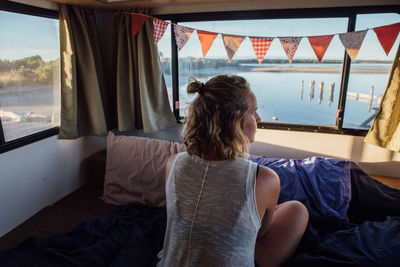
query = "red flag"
x=261 y=46
x=137 y=23
x=159 y=29
x=290 y=45
x=206 y=40
x=231 y=44
x=319 y=44
x=352 y=42
x=387 y=36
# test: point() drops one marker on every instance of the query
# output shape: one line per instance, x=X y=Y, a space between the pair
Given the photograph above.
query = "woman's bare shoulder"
x=268 y=178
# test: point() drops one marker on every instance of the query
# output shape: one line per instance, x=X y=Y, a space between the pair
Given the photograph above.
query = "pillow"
x=135 y=169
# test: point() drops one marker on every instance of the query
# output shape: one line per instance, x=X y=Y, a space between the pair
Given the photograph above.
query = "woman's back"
x=212 y=213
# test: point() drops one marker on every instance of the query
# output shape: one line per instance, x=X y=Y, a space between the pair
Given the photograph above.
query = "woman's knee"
x=297 y=211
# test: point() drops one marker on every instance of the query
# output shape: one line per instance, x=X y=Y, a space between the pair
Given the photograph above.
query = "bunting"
x=290 y=45
x=261 y=46
x=231 y=43
x=387 y=36
x=352 y=42
x=182 y=35
x=206 y=40
x=319 y=44
x=137 y=23
x=159 y=29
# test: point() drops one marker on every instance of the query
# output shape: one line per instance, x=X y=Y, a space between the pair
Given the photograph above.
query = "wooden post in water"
x=331 y=88
x=321 y=91
x=371 y=98
x=312 y=86
x=302 y=88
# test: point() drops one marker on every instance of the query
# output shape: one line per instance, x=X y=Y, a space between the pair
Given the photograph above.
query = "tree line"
x=29 y=71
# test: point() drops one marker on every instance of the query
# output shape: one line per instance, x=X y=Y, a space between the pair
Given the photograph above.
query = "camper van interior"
x=93 y=103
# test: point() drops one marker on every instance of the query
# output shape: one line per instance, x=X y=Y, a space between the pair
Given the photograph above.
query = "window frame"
x=28 y=139
x=337 y=12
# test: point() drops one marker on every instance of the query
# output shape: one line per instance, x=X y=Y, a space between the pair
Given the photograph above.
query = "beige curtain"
x=140 y=81
x=118 y=85
x=385 y=130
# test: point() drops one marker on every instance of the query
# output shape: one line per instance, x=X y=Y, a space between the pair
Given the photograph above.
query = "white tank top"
x=212 y=213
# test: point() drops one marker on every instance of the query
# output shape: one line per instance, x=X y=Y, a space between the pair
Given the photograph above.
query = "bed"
x=119 y=217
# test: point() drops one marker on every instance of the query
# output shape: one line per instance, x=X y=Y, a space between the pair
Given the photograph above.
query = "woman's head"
x=222 y=118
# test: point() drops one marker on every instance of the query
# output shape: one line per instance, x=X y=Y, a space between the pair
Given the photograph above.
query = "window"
x=29 y=74
x=369 y=73
x=164 y=52
x=305 y=94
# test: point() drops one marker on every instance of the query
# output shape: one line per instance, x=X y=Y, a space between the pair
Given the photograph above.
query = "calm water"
x=278 y=94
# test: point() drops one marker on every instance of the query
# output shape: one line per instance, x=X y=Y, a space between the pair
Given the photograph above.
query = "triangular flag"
x=137 y=23
x=159 y=29
x=290 y=45
x=387 y=36
x=352 y=42
x=261 y=46
x=319 y=44
x=232 y=43
x=182 y=35
x=206 y=40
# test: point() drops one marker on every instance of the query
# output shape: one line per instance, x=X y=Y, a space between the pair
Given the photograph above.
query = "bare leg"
x=287 y=227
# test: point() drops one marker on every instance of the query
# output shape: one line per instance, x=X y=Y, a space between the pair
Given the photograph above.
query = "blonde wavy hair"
x=214 y=119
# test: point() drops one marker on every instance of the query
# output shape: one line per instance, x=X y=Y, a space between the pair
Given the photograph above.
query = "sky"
x=24 y=35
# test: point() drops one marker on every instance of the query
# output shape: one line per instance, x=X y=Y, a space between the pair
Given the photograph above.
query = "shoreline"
x=354 y=69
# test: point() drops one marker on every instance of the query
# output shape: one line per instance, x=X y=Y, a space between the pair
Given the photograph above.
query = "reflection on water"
x=279 y=92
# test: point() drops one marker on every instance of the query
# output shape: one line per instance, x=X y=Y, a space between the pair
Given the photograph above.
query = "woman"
x=222 y=209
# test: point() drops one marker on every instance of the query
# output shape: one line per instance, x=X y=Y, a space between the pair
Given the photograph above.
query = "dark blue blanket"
x=128 y=236
x=322 y=184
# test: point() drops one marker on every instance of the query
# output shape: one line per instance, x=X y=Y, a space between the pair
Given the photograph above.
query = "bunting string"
x=351 y=41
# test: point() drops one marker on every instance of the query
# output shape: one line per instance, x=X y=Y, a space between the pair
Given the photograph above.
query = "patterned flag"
x=159 y=29
x=137 y=23
x=182 y=35
x=206 y=40
x=290 y=45
x=319 y=44
x=387 y=35
x=352 y=42
x=231 y=44
x=261 y=46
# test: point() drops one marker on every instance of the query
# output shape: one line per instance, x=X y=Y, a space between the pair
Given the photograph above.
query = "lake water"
x=278 y=93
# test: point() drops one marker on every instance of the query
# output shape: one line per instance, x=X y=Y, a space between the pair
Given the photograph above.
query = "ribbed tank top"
x=212 y=213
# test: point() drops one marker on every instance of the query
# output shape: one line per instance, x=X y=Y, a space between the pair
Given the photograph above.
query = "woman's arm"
x=267 y=193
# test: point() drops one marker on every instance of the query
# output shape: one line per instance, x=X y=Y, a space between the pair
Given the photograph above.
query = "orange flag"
x=387 y=36
x=206 y=40
x=319 y=44
x=232 y=43
x=137 y=23
x=261 y=46
x=352 y=42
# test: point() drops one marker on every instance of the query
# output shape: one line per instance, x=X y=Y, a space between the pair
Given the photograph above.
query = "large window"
x=29 y=75
x=369 y=73
x=303 y=94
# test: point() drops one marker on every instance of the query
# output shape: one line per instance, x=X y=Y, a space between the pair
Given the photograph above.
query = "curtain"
x=385 y=129
x=139 y=69
x=109 y=80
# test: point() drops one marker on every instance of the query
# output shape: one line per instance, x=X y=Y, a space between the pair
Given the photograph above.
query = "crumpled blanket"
x=128 y=236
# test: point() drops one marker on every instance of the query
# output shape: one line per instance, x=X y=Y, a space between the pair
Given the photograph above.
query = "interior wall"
x=39 y=174
x=299 y=145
